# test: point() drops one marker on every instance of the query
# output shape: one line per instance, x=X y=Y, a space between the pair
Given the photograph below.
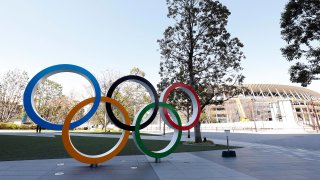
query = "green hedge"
x=16 y=126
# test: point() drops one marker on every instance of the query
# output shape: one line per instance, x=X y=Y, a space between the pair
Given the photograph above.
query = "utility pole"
x=253 y=114
x=105 y=122
x=188 y=116
x=164 y=128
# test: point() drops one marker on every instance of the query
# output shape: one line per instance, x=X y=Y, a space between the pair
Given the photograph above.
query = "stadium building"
x=270 y=105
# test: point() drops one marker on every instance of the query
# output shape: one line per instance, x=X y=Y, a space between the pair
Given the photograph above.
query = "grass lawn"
x=31 y=147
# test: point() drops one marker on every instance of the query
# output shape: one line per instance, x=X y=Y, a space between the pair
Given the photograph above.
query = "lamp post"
x=227 y=134
x=164 y=124
x=105 y=122
x=164 y=127
x=188 y=116
x=253 y=114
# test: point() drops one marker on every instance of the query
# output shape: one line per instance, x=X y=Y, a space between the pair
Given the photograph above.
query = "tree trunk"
x=105 y=122
x=197 y=133
x=192 y=83
x=188 y=116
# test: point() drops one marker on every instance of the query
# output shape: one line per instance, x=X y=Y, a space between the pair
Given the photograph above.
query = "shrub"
x=13 y=126
x=25 y=126
x=9 y=126
x=16 y=126
x=2 y=125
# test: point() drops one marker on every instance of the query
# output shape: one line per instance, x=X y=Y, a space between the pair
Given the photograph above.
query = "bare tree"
x=45 y=99
x=105 y=80
x=52 y=105
x=12 y=85
x=132 y=95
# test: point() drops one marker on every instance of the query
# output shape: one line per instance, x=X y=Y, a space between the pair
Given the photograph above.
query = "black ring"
x=145 y=84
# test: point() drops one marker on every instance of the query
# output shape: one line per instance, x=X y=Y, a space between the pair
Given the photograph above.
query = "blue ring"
x=28 y=95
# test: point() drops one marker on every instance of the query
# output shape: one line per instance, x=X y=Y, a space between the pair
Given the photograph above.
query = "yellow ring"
x=94 y=159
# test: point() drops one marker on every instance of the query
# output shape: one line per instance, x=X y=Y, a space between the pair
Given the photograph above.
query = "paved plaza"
x=261 y=157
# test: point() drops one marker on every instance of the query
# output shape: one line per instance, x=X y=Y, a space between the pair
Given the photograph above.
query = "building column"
x=304 y=119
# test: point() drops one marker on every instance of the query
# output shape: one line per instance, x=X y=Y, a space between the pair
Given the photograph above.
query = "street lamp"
x=253 y=114
x=164 y=127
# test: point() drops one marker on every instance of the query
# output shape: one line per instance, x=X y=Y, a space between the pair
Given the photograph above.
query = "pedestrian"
x=38 y=129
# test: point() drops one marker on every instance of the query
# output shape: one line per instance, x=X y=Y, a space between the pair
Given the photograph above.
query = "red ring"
x=165 y=111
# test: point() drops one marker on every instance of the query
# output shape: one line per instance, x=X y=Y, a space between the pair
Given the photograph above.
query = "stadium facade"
x=269 y=102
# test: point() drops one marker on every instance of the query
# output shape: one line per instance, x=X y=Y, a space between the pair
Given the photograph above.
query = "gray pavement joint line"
x=276 y=149
x=203 y=161
x=265 y=146
x=48 y=173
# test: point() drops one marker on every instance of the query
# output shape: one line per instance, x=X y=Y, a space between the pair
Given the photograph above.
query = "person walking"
x=38 y=129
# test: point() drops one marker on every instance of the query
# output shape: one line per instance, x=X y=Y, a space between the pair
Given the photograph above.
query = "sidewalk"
x=176 y=166
x=254 y=161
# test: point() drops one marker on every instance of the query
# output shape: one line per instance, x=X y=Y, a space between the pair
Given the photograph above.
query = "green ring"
x=138 y=140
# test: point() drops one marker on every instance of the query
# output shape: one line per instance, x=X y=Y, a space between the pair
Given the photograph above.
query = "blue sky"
x=119 y=35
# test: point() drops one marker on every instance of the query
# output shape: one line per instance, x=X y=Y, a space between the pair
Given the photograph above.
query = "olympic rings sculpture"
x=167 y=112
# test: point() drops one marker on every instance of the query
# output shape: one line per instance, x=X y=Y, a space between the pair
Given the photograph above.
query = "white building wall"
x=274 y=111
x=286 y=111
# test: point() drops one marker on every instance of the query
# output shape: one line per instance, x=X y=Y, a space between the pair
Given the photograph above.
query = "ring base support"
x=93 y=165
x=157 y=160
